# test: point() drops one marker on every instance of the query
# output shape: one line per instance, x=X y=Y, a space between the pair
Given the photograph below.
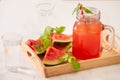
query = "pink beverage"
x=87 y=35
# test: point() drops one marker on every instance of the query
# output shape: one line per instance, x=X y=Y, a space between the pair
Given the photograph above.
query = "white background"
x=22 y=16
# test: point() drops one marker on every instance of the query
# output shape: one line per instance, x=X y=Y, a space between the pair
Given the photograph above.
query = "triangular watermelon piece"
x=52 y=56
x=60 y=39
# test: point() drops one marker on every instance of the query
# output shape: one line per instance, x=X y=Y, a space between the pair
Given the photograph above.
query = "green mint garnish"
x=72 y=60
x=45 y=38
x=38 y=48
x=48 y=31
x=64 y=58
x=80 y=6
x=46 y=43
x=87 y=10
x=42 y=38
x=74 y=63
x=76 y=9
x=59 y=29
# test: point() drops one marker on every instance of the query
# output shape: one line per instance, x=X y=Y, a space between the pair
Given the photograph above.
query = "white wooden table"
x=22 y=16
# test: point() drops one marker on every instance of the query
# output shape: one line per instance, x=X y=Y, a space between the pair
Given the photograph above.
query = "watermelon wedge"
x=63 y=48
x=52 y=56
x=60 y=39
x=36 y=46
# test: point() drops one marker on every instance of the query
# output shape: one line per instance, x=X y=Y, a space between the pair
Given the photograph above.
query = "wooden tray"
x=108 y=58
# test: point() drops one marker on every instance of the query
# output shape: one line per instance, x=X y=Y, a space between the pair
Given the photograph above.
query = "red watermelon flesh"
x=60 y=37
x=52 y=56
x=32 y=44
x=60 y=47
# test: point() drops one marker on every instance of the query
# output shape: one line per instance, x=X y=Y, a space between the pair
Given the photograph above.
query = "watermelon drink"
x=86 y=40
x=86 y=35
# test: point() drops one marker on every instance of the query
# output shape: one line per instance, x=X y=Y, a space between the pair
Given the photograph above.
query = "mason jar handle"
x=108 y=36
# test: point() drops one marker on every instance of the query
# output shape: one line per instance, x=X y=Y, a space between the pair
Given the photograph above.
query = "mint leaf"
x=71 y=60
x=45 y=38
x=75 y=65
x=79 y=7
x=46 y=43
x=38 y=48
x=87 y=10
x=76 y=9
x=48 y=31
x=59 y=29
x=42 y=38
x=64 y=58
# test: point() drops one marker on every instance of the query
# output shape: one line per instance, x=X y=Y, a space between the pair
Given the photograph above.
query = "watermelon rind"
x=62 y=42
x=53 y=56
x=42 y=52
x=52 y=63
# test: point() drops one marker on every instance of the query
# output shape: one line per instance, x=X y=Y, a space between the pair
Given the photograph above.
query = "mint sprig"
x=79 y=7
x=72 y=60
x=59 y=29
x=38 y=48
x=48 y=31
x=64 y=58
x=87 y=10
x=76 y=9
x=74 y=63
x=45 y=38
x=46 y=43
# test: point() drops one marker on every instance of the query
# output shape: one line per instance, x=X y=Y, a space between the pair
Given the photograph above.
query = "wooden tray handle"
x=30 y=53
x=34 y=58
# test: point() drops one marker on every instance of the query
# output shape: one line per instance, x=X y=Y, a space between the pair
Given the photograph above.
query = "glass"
x=45 y=7
x=12 y=43
x=45 y=10
x=87 y=35
x=15 y=61
x=44 y=13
